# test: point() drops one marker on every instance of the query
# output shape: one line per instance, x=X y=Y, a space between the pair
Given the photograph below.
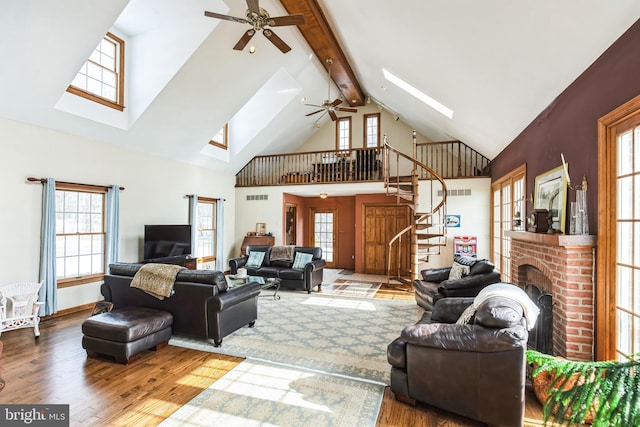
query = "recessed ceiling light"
x=303 y=99
x=252 y=49
x=442 y=109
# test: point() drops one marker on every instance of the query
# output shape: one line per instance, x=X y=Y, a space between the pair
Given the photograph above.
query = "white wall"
x=155 y=190
x=474 y=211
x=398 y=133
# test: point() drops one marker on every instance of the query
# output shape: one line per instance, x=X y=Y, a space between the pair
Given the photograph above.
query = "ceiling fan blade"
x=337 y=102
x=278 y=21
x=253 y=6
x=315 y=112
x=333 y=115
x=348 y=110
x=225 y=17
x=244 y=39
x=277 y=41
x=314 y=105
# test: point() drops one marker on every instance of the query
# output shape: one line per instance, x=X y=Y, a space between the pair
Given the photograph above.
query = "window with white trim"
x=80 y=233
x=101 y=78
x=343 y=133
x=372 y=130
x=206 y=233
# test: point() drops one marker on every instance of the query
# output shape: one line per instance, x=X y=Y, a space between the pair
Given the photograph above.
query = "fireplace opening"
x=541 y=335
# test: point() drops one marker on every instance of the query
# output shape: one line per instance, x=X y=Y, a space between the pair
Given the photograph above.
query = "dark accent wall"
x=569 y=124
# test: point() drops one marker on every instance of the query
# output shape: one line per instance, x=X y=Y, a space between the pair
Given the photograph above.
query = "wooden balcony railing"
x=448 y=159
x=355 y=165
x=452 y=159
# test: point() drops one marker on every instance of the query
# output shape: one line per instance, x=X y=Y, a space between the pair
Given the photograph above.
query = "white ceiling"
x=495 y=63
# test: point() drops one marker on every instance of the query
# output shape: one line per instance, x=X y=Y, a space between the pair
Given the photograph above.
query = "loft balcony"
x=452 y=159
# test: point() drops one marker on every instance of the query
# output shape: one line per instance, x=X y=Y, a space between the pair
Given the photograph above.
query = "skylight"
x=445 y=111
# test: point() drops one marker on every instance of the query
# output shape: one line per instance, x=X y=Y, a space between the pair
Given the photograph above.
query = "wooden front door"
x=381 y=224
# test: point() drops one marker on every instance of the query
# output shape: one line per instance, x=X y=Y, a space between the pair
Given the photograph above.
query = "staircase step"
x=426 y=236
x=423 y=226
x=403 y=187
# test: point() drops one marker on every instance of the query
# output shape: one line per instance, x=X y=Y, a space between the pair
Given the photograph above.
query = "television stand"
x=184 y=260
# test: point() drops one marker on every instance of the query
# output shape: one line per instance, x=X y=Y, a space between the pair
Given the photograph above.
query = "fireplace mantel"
x=563 y=240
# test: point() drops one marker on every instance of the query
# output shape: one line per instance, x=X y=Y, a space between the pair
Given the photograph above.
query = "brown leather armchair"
x=435 y=283
x=476 y=370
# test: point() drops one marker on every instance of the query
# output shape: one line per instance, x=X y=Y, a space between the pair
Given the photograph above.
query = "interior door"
x=324 y=235
x=381 y=224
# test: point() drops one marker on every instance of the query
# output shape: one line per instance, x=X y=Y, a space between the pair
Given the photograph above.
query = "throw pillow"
x=301 y=260
x=457 y=271
x=467 y=315
x=255 y=259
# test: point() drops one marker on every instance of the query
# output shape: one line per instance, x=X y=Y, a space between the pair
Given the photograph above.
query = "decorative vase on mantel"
x=579 y=218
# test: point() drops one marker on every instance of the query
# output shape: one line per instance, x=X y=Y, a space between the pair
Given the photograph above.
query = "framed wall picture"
x=551 y=194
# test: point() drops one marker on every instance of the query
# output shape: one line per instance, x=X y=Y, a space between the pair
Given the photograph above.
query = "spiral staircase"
x=426 y=232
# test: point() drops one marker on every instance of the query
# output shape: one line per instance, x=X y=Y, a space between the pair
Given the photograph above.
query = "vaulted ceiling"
x=496 y=64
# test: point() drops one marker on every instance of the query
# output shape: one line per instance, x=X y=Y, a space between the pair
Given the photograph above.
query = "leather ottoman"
x=126 y=332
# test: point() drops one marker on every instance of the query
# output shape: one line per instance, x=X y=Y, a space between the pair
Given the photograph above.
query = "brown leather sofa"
x=476 y=370
x=435 y=283
x=306 y=278
x=202 y=305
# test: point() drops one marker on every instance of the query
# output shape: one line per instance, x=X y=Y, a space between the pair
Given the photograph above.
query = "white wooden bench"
x=19 y=306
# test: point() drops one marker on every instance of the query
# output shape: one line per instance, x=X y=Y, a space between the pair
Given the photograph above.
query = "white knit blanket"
x=505 y=290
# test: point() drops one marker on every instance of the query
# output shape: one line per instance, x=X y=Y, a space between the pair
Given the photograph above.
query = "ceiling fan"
x=259 y=18
x=328 y=106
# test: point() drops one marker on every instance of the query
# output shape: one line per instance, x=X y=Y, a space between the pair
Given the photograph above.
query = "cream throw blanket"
x=505 y=290
x=156 y=279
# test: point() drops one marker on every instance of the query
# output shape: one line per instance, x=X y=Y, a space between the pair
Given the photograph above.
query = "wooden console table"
x=256 y=240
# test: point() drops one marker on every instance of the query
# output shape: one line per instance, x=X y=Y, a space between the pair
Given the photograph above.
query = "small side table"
x=265 y=283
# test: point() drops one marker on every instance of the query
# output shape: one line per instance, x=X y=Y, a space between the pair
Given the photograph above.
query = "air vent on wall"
x=456 y=193
x=257 y=197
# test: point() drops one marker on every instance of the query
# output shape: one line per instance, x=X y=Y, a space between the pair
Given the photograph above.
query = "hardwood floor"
x=55 y=369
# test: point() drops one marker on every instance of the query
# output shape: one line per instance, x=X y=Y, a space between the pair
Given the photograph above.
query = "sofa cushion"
x=291 y=274
x=255 y=259
x=281 y=263
x=482 y=266
x=301 y=260
x=499 y=312
x=458 y=271
x=267 y=272
x=435 y=275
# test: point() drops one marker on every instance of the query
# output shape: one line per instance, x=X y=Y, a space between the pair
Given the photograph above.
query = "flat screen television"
x=161 y=241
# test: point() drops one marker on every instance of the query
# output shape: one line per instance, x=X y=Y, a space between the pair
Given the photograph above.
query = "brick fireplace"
x=563 y=266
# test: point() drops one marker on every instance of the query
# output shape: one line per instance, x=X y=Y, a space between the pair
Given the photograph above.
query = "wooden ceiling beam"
x=320 y=37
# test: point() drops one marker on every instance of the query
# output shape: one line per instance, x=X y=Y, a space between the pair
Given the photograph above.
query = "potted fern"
x=601 y=393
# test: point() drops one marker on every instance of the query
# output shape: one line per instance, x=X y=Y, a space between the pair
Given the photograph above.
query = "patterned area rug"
x=334 y=335
x=259 y=393
x=352 y=289
x=312 y=360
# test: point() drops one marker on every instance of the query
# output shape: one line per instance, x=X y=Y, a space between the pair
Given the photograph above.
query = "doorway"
x=323 y=233
x=290 y=224
x=618 y=299
x=381 y=224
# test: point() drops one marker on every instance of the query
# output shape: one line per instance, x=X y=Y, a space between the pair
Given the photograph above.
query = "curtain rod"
x=43 y=180
x=214 y=198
